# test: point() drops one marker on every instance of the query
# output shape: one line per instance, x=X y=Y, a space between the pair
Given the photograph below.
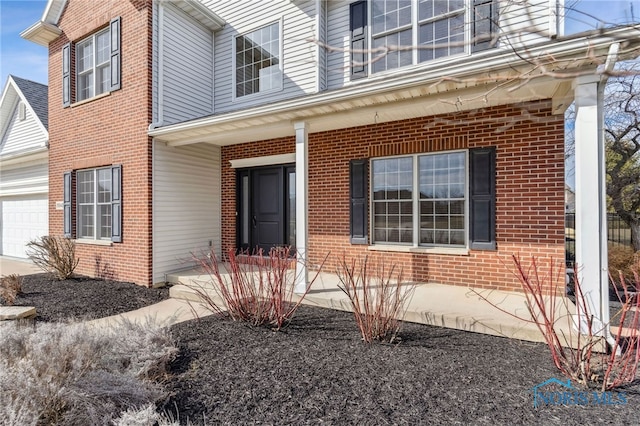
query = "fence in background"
x=617 y=232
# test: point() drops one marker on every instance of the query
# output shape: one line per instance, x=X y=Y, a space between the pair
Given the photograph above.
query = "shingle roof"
x=37 y=95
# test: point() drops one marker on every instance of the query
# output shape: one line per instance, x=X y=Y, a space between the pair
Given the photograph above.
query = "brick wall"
x=107 y=130
x=530 y=188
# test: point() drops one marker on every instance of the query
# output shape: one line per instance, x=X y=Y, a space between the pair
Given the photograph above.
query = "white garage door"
x=23 y=219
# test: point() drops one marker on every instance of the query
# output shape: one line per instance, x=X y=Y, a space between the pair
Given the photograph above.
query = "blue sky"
x=29 y=60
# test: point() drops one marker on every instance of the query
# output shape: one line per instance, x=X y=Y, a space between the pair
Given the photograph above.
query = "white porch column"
x=591 y=203
x=302 y=160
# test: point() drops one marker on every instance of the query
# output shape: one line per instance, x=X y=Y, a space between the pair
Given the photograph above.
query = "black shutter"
x=66 y=75
x=114 y=29
x=358 y=192
x=482 y=205
x=485 y=24
x=358 y=27
x=116 y=204
x=67 y=205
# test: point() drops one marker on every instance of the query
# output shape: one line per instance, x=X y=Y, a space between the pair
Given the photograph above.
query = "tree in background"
x=622 y=139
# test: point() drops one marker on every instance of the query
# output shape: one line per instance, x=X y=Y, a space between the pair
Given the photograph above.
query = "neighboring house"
x=187 y=125
x=569 y=199
x=24 y=175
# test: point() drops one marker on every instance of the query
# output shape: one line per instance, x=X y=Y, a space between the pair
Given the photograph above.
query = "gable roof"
x=33 y=95
x=36 y=95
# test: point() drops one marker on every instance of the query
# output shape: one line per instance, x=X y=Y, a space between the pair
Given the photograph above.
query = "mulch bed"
x=319 y=371
x=84 y=298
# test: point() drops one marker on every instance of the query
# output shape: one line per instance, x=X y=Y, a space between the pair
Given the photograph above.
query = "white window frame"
x=415 y=28
x=280 y=84
x=95 y=88
x=95 y=204
x=416 y=202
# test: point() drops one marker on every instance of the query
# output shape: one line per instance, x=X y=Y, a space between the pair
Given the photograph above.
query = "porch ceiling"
x=495 y=78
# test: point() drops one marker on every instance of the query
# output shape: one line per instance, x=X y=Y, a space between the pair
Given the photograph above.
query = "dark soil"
x=318 y=370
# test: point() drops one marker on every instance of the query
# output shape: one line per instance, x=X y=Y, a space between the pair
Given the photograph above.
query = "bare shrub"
x=56 y=255
x=257 y=290
x=378 y=297
x=584 y=355
x=77 y=373
x=10 y=288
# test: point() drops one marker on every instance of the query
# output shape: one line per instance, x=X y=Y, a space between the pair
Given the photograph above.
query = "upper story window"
x=258 y=61
x=91 y=66
x=418 y=31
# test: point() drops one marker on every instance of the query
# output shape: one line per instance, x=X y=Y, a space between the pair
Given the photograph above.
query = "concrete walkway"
x=166 y=313
x=448 y=306
x=12 y=265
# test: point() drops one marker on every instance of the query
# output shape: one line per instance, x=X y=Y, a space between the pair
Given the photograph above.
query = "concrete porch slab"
x=440 y=305
x=16 y=312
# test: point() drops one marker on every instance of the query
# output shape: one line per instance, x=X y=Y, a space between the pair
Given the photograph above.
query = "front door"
x=266 y=208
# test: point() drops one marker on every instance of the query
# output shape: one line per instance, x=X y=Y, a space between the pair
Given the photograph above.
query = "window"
x=436 y=27
x=94 y=203
x=258 y=64
x=97 y=200
x=423 y=193
x=441 y=199
x=92 y=65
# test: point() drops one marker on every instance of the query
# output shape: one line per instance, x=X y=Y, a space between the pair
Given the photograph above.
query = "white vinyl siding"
x=21 y=179
x=520 y=22
x=187 y=67
x=186 y=205
x=22 y=135
x=299 y=59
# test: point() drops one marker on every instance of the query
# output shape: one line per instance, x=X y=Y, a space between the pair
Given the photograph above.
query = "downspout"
x=153 y=125
x=160 y=120
x=612 y=58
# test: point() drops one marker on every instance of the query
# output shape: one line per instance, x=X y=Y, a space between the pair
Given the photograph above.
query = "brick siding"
x=529 y=187
x=104 y=131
